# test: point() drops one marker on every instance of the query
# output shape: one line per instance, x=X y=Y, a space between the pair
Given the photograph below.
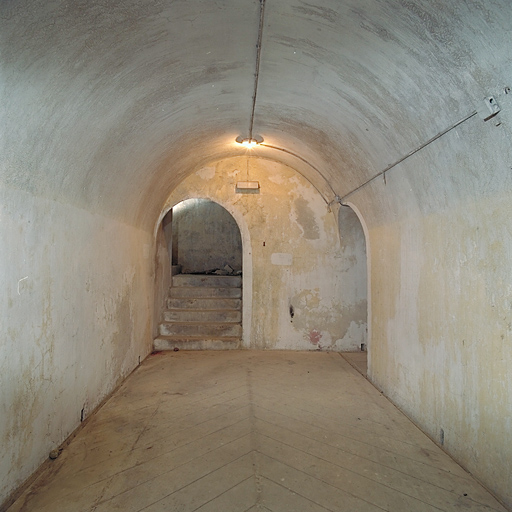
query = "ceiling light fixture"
x=249 y=142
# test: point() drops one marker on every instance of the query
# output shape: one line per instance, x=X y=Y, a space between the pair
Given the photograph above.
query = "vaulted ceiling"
x=108 y=105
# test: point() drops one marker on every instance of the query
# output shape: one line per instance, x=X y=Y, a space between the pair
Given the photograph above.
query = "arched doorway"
x=203 y=304
x=354 y=258
x=205 y=239
x=356 y=252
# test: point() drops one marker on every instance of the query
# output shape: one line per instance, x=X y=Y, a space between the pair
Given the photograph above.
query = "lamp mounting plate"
x=248 y=141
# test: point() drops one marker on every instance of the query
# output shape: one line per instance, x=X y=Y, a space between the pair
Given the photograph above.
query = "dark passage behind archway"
x=206 y=238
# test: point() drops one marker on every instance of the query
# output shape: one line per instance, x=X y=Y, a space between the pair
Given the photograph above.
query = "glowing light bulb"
x=249 y=143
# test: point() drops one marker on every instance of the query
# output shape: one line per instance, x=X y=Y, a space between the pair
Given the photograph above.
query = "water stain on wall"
x=306 y=219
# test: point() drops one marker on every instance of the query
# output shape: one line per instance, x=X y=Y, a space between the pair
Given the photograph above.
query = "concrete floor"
x=246 y=431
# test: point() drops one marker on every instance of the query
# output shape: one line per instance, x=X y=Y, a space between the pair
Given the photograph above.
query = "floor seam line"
x=353 y=425
x=357 y=440
x=175 y=468
x=223 y=492
x=194 y=481
x=350 y=453
x=167 y=452
x=301 y=495
x=351 y=471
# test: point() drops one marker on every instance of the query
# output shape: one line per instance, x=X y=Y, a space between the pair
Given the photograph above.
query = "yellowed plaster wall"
x=292 y=269
x=440 y=252
x=77 y=292
x=442 y=330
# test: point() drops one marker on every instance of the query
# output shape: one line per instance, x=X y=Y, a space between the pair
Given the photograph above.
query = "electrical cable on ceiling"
x=257 y=70
x=341 y=200
x=252 y=139
x=287 y=151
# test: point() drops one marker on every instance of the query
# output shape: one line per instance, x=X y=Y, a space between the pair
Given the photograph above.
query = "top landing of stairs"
x=205 y=280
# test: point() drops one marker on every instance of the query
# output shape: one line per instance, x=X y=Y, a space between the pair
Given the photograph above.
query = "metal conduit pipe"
x=342 y=199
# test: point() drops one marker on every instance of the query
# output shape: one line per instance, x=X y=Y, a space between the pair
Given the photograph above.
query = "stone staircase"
x=203 y=312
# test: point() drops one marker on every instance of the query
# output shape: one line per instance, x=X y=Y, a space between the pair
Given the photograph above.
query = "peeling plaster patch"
x=353 y=314
x=294 y=180
x=314 y=337
x=307 y=299
x=276 y=178
x=21 y=286
x=306 y=219
x=207 y=173
x=353 y=337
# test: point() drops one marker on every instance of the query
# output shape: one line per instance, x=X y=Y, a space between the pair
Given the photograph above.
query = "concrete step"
x=203 y=315
x=196 y=343
x=207 y=330
x=189 y=292
x=207 y=281
x=204 y=303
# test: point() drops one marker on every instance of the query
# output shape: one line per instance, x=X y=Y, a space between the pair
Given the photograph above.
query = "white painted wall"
x=75 y=302
x=292 y=256
x=441 y=293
